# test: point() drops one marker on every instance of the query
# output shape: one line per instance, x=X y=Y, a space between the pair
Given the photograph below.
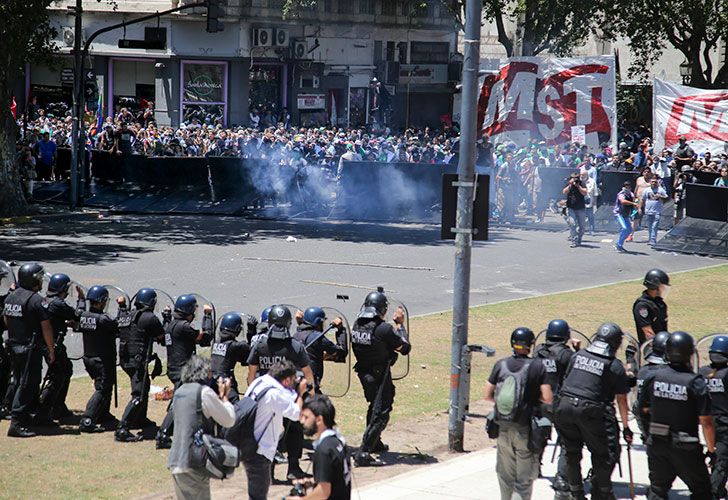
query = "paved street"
x=242 y=264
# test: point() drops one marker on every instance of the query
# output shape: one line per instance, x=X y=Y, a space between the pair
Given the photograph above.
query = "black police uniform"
x=264 y=354
x=224 y=356
x=649 y=312
x=99 y=357
x=644 y=377
x=676 y=397
x=374 y=342
x=717 y=380
x=321 y=347
x=5 y=365
x=137 y=331
x=331 y=464
x=24 y=311
x=181 y=341
x=585 y=416
x=58 y=377
x=555 y=357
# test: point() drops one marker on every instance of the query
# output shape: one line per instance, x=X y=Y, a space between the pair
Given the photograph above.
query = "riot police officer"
x=678 y=401
x=28 y=327
x=318 y=347
x=181 y=339
x=278 y=346
x=585 y=413
x=654 y=361
x=52 y=401
x=650 y=309
x=138 y=329
x=716 y=375
x=555 y=355
x=228 y=352
x=260 y=329
x=99 y=357
x=375 y=344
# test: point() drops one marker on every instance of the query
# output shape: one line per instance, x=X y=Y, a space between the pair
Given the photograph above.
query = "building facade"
x=317 y=67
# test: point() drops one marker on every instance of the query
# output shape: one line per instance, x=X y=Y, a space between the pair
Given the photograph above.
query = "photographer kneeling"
x=575 y=192
x=194 y=377
x=331 y=466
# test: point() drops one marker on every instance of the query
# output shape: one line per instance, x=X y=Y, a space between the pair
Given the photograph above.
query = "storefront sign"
x=422 y=74
x=311 y=101
x=67 y=75
x=203 y=82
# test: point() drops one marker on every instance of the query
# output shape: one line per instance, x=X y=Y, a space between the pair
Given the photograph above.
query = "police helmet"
x=679 y=348
x=264 y=315
x=97 y=294
x=314 y=316
x=654 y=278
x=607 y=340
x=279 y=321
x=231 y=325
x=558 y=330
x=375 y=304
x=186 y=304
x=30 y=276
x=657 y=353
x=58 y=284
x=719 y=349
x=146 y=298
x=522 y=337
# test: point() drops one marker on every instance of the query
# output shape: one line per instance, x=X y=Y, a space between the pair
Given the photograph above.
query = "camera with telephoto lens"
x=298 y=490
x=300 y=378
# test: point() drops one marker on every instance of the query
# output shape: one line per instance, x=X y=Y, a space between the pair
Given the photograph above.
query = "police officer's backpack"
x=510 y=392
x=241 y=433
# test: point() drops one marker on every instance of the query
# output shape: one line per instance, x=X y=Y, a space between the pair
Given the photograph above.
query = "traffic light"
x=215 y=11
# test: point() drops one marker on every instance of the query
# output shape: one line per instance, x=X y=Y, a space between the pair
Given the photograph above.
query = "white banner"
x=542 y=98
x=701 y=116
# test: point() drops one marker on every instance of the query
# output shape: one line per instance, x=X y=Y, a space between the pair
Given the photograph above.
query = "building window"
x=389 y=7
x=429 y=52
x=390 y=51
x=366 y=7
x=204 y=91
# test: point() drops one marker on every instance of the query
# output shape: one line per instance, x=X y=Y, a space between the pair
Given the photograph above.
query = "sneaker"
x=629 y=238
x=280 y=458
x=573 y=245
x=125 y=436
x=19 y=431
x=618 y=248
x=365 y=459
x=296 y=473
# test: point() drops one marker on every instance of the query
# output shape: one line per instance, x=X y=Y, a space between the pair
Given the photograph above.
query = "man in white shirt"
x=284 y=400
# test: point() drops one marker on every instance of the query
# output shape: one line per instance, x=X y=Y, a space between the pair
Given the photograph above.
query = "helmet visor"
x=664 y=291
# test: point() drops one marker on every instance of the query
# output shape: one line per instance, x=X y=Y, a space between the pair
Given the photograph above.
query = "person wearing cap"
x=684 y=154
x=349 y=155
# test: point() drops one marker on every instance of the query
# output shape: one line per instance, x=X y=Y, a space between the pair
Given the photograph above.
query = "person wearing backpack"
x=278 y=394
x=517 y=386
x=585 y=413
x=555 y=354
x=195 y=375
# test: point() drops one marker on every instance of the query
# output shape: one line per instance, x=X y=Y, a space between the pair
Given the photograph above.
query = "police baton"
x=631 y=474
x=556 y=447
x=116 y=392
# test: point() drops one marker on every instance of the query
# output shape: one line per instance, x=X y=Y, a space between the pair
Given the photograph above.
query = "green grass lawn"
x=94 y=466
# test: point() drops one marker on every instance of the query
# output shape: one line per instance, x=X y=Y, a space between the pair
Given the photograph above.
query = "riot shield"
x=402 y=367
x=7 y=278
x=294 y=309
x=336 y=380
x=112 y=307
x=575 y=335
x=199 y=315
x=72 y=298
x=702 y=354
x=164 y=300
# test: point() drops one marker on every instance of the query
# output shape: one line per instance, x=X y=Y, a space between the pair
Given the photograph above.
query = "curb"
x=39 y=218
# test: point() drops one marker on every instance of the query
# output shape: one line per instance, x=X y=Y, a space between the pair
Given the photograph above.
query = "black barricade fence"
x=63 y=162
x=706 y=177
x=706 y=202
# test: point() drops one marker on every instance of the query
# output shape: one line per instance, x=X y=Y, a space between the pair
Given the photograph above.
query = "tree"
x=554 y=26
x=691 y=26
x=25 y=37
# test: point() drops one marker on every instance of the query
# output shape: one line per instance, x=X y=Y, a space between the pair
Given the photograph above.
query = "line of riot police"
x=37 y=325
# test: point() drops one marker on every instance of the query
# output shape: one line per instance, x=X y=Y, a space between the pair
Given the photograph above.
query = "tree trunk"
x=502 y=35
x=12 y=201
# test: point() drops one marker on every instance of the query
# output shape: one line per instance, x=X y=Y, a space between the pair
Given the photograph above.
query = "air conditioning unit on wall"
x=300 y=49
x=68 y=36
x=281 y=38
x=263 y=37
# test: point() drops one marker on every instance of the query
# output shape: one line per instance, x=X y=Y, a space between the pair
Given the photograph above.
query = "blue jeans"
x=625 y=229
x=653 y=222
x=578 y=217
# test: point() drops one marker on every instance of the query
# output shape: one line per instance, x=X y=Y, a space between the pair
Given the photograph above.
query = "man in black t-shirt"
x=575 y=192
x=122 y=140
x=517 y=462
x=650 y=310
x=684 y=154
x=331 y=466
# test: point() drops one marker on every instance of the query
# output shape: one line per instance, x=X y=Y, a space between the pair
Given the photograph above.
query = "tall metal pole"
x=464 y=218
x=77 y=107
